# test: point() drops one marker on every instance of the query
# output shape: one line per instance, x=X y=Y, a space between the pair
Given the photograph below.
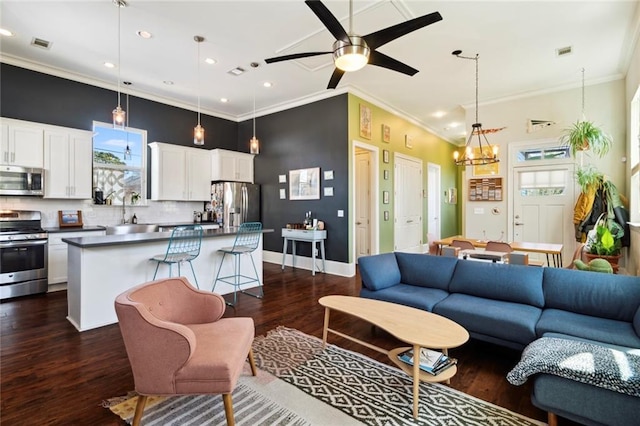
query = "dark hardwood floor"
x=53 y=375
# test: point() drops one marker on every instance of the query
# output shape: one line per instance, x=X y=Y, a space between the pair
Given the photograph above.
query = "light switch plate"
x=340 y=213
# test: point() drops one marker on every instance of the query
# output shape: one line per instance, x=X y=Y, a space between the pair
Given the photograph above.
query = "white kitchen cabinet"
x=57 y=253
x=68 y=158
x=179 y=173
x=231 y=166
x=21 y=143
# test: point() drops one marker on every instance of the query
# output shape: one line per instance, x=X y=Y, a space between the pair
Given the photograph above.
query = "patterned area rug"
x=300 y=384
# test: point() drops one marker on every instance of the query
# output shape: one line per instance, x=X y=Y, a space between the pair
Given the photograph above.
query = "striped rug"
x=299 y=383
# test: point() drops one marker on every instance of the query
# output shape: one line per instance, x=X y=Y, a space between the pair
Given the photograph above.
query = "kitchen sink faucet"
x=124 y=212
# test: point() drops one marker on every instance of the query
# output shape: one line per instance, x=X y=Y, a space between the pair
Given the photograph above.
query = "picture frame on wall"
x=304 y=184
x=386 y=133
x=386 y=215
x=386 y=174
x=385 y=197
x=365 y=122
x=385 y=156
x=492 y=169
x=408 y=141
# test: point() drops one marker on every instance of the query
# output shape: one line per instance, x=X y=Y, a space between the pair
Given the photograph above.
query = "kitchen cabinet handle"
x=6 y=157
x=13 y=157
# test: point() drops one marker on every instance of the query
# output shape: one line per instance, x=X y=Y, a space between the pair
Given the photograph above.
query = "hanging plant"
x=583 y=136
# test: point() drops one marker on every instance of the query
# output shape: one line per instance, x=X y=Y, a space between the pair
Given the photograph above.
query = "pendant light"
x=488 y=154
x=198 y=131
x=119 y=115
x=254 y=143
x=127 y=150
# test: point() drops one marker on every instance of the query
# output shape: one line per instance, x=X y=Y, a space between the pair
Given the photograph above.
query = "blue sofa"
x=514 y=305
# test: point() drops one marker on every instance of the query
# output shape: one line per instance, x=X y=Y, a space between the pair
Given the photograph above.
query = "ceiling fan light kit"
x=352 y=52
x=488 y=154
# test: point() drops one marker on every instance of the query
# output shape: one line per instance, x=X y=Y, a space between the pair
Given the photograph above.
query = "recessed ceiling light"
x=210 y=61
x=144 y=34
x=236 y=71
x=168 y=82
x=109 y=65
x=224 y=100
x=6 y=32
x=439 y=114
x=267 y=84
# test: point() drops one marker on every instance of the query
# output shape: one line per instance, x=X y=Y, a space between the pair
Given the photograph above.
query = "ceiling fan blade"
x=329 y=21
x=379 y=38
x=384 y=61
x=335 y=78
x=294 y=56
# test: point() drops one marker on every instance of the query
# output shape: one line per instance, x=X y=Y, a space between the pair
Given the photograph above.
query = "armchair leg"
x=228 y=409
x=552 y=419
x=252 y=362
x=142 y=401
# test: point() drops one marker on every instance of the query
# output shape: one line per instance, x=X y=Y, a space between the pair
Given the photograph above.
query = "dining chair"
x=499 y=246
x=184 y=246
x=246 y=243
x=463 y=244
x=178 y=343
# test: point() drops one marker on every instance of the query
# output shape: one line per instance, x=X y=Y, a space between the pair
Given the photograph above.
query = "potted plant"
x=606 y=241
x=584 y=135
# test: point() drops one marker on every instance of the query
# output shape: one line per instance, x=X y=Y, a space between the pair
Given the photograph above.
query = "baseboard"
x=302 y=262
x=57 y=287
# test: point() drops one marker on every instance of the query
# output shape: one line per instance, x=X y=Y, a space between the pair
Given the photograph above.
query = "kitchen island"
x=102 y=267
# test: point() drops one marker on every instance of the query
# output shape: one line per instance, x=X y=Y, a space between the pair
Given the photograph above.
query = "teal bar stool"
x=246 y=242
x=184 y=246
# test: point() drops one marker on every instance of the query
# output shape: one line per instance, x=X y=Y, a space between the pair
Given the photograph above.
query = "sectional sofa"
x=514 y=306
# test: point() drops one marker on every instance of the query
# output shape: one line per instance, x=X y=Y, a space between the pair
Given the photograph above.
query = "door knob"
x=358 y=223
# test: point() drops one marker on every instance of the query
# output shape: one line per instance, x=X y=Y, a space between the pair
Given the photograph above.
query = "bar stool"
x=184 y=246
x=246 y=242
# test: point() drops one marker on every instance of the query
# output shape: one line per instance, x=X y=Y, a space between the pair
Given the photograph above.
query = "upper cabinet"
x=179 y=173
x=21 y=143
x=231 y=166
x=68 y=158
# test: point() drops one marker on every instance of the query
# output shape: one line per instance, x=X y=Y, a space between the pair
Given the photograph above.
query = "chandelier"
x=485 y=153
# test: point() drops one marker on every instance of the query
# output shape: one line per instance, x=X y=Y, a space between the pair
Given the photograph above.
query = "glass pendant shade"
x=198 y=135
x=119 y=117
x=254 y=146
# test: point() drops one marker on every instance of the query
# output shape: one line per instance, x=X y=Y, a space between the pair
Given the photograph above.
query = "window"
x=554 y=153
x=543 y=183
x=119 y=163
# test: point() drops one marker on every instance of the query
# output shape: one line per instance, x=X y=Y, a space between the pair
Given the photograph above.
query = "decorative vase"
x=613 y=260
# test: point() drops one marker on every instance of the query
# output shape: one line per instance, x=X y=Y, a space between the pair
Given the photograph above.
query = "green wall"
x=426 y=146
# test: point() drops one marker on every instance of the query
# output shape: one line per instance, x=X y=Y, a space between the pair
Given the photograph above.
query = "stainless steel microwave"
x=21 y=181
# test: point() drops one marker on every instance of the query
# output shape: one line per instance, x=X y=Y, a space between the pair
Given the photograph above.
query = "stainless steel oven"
x=23 y=254
x=21 y=181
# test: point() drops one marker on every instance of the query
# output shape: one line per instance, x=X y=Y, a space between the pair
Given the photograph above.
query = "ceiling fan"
x=351 y=52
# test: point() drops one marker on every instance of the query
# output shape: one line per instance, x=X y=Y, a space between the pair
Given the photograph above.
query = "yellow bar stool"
x=246 y=242
x=184 y=246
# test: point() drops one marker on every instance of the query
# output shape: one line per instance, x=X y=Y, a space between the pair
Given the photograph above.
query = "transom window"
x=543 y=183
x=119 y=163
x=537 y=154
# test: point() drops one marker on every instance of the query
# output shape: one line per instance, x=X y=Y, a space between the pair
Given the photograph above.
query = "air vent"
x=562 y=51
x=236 y=71
x=38 y=42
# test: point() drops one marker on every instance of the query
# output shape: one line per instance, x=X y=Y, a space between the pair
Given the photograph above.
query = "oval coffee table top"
x=411 y=325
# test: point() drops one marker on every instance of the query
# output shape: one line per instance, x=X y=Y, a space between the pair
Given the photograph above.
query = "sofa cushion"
x=616 y=297
x=425 y=270
x=379 y=271
x=510 y=321
x=587 y=327
x=636 y=321
x=510 y=283
x=408 y=295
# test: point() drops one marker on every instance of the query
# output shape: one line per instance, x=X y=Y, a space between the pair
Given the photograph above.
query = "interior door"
x=363 y=203
x=434 y=189
x=408 y=204
x=543 y=199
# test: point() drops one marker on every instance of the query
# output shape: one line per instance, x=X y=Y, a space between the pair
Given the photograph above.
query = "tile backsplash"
x=151 y=212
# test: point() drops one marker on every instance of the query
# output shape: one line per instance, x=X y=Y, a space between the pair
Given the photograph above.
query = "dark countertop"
x=75 y=229
x=127 y=239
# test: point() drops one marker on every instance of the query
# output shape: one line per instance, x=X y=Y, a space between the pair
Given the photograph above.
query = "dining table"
x=552 y=251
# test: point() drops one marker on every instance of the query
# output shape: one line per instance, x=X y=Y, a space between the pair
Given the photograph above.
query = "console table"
x=312 y=236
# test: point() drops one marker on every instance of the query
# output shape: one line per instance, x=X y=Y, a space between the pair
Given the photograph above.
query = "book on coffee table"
x=432 y=362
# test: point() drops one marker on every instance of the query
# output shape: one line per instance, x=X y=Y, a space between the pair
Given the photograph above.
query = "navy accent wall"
x=312 y=135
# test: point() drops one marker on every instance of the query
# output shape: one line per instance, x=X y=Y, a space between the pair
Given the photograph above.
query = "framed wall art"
x=365 y=122
x=386 y=133
x=485 y=169
x=385 y=156
x=386 y=175
x=408 y=141
x=304 y=184
x=385 y=197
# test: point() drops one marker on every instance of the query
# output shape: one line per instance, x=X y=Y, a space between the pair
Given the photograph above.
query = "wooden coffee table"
x=418 y=328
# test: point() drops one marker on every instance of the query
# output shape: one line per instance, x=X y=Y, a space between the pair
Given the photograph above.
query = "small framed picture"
x=385 y=156
x=385 y=197
x=386 y=133
x=328 y=191
x=365 y=122
x=408 y=141
x=386 y=174
x=386 y=215
x=328 y=175
x=70 y=218
x=282 y=178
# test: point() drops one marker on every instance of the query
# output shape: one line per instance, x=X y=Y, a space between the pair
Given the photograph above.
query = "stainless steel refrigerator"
x=235 y=202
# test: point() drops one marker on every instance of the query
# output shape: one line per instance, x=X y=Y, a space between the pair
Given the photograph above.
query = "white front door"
x=543 y=201
x=407 y=203
x=363 y=202
x=433 y=204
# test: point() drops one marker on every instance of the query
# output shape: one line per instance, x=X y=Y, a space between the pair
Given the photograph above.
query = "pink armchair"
x=178 y=343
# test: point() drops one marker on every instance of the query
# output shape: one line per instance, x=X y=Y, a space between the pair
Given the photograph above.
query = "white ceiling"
x=516 y=41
